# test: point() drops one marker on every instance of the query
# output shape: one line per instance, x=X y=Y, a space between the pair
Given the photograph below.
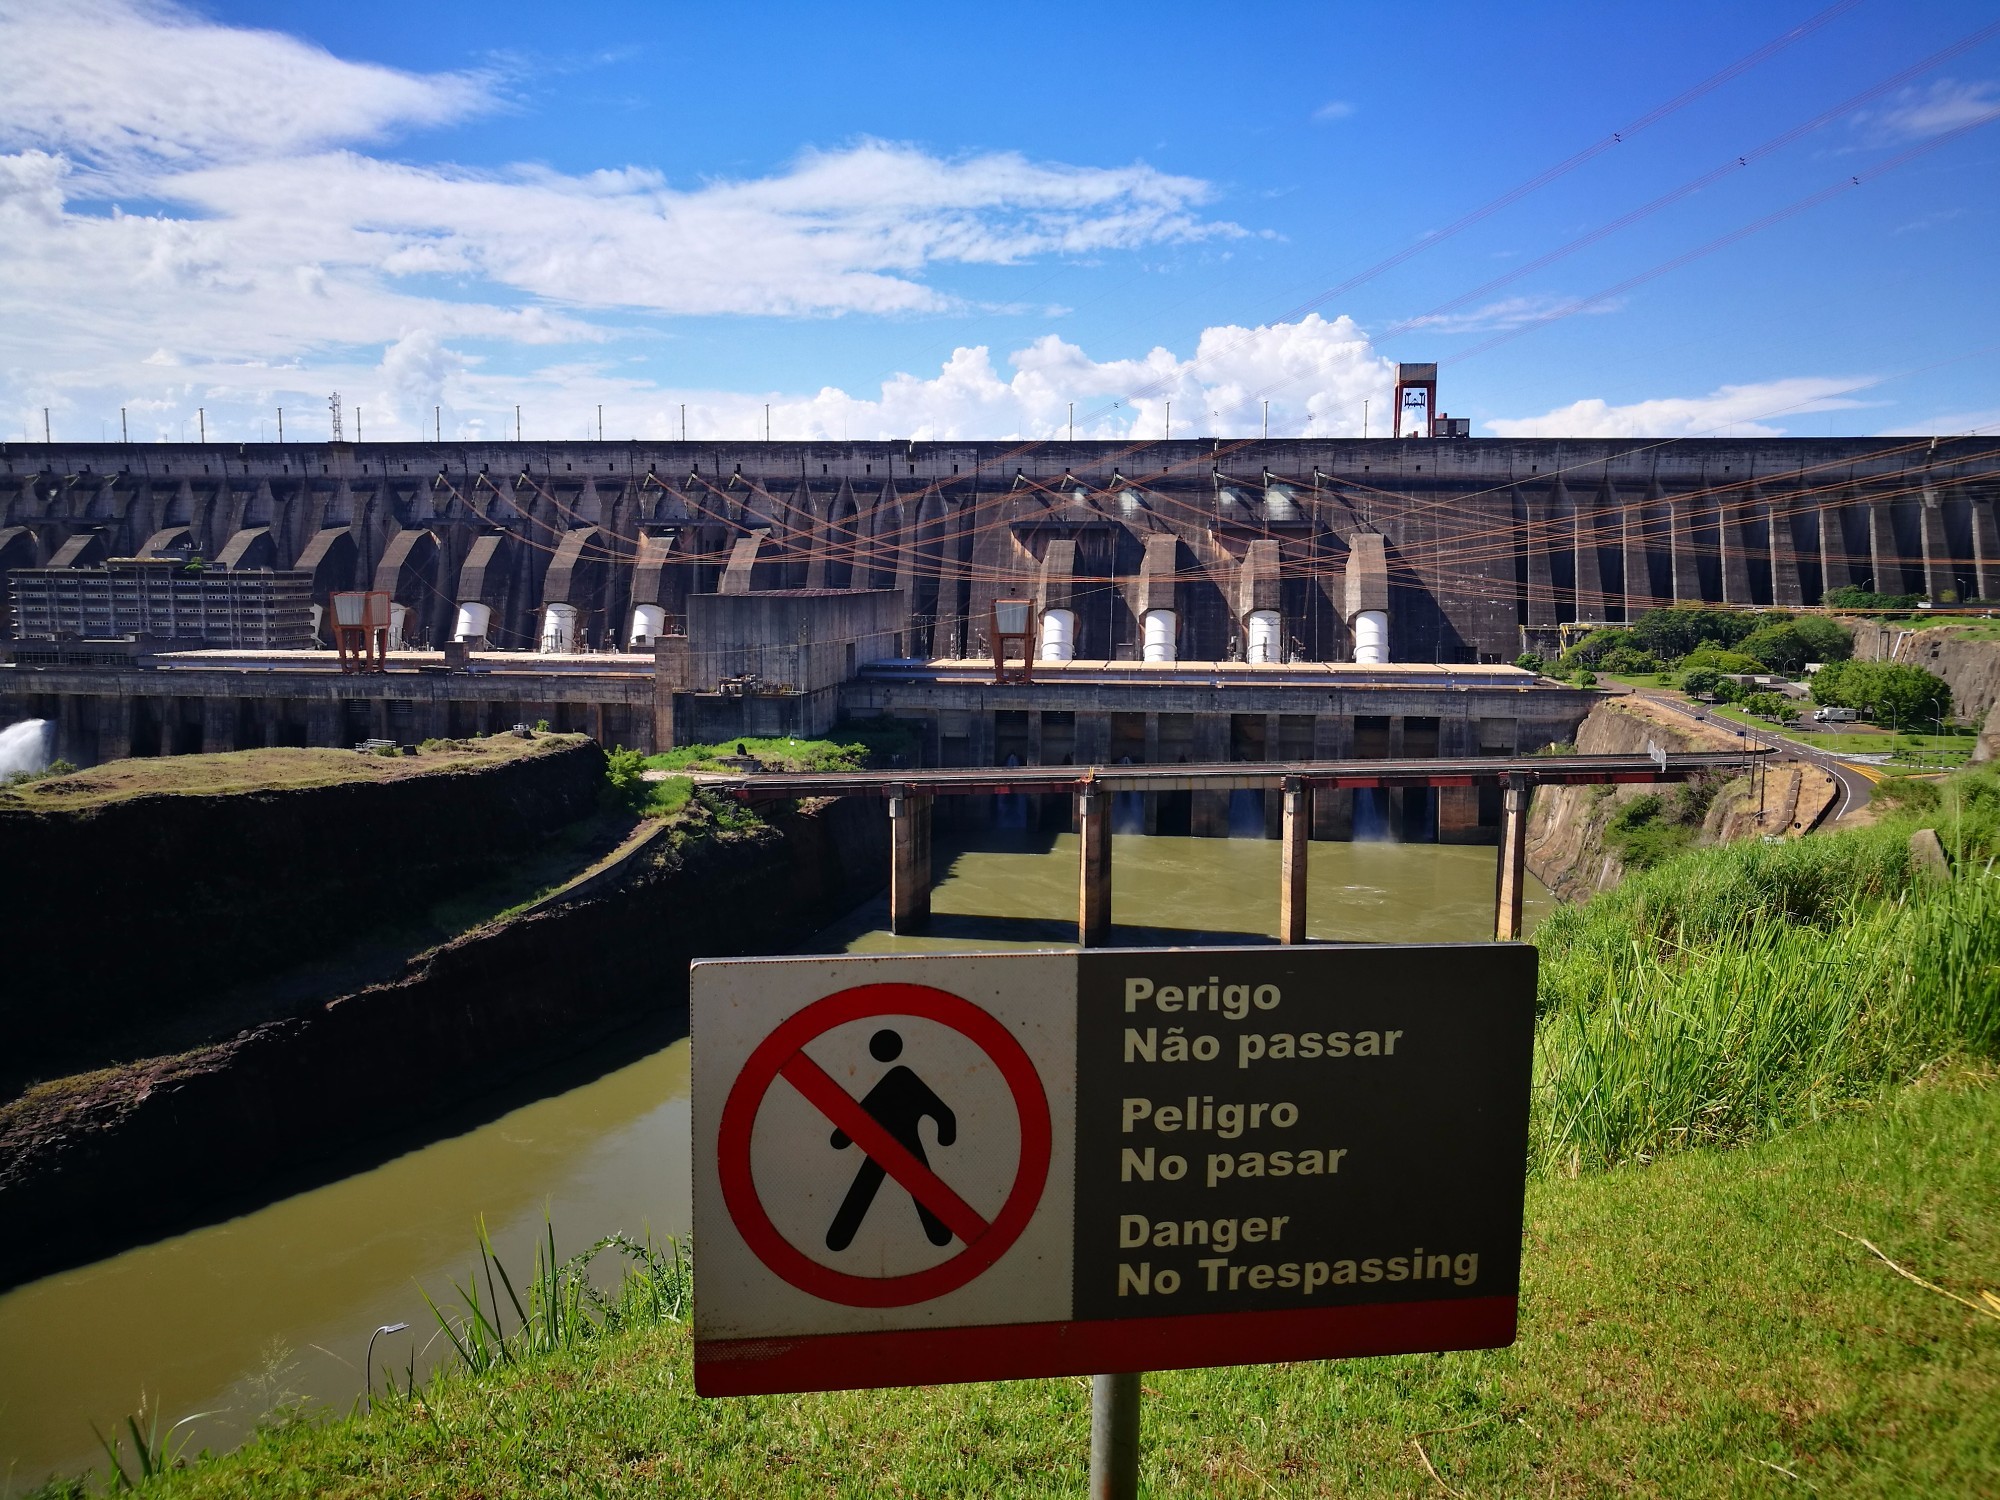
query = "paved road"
x=1856 y=784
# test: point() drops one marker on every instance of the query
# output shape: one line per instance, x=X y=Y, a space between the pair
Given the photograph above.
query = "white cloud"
x=1738 y=410
x=1508 y=312
x=1917 y=114
x=1333 y=109
x=1949 y=424
x=114 y=80
x=1315 y=373
x=265 y=239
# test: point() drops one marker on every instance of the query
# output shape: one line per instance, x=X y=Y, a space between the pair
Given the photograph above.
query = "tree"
x=1703 y=682
x=1672 y=633
x=1884 y=691
x=1780 y=647
x=1629 y=661
x=1770 y=706
x=1711 y=655
x=1594 y=647
x=1826 y=640
x=1528 y=661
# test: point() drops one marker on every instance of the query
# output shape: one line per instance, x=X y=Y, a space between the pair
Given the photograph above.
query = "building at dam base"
x=1197 y=599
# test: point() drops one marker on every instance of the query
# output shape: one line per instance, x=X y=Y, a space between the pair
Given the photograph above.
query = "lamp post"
x=368 y=1362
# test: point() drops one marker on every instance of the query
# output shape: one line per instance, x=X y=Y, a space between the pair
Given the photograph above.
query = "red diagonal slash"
x=924 y=1185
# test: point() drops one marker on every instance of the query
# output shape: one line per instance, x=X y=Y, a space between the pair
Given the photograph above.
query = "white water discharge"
x=26 y=746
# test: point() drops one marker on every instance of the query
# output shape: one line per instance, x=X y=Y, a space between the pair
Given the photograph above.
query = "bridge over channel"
x=909 y=794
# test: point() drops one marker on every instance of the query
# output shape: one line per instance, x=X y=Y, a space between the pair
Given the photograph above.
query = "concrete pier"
x=1093 y=901
x=1297 y=840
x=909 y=862
x=1513 y=873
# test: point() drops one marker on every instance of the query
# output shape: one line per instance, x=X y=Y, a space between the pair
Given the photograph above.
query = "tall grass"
x=562 y=1305
x=1736 y=992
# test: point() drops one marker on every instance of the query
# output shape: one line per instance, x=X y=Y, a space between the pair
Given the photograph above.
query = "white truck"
x=1836 y=715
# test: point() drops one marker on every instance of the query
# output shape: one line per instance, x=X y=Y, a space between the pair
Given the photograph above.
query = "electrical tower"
x=333 y=405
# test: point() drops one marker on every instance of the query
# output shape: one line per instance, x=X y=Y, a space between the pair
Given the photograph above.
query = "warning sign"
x=917 y=1169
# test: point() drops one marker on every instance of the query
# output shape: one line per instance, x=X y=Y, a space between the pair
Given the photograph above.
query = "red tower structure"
x=1416 y=390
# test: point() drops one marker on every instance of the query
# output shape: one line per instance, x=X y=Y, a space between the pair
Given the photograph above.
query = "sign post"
x=931 y=1168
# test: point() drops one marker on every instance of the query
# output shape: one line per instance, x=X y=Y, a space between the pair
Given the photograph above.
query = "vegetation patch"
x=1734 y=992
x=852 y=746
x=1703 y=1327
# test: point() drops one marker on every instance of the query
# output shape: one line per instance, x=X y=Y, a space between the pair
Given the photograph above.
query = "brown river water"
x=275 y=1307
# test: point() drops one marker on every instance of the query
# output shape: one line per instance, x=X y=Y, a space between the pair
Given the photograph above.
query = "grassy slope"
x=263 y=770
x=1685 y=1326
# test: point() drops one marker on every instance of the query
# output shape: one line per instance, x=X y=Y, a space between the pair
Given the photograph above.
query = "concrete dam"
x=1201 y=600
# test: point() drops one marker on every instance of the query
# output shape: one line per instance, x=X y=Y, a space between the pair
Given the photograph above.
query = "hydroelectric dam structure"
x=1190 y=602
x=598 y=544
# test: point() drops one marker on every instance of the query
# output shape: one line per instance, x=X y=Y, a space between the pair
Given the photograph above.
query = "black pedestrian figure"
x=897 y=1103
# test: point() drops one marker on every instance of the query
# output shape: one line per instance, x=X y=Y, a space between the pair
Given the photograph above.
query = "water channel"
x=276 y=1306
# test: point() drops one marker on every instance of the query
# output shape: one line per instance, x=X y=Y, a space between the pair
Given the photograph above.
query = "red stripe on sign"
x=922 y=1184
x=1025 y=1351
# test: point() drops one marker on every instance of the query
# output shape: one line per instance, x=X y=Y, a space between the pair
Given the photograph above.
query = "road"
x=1856 y=785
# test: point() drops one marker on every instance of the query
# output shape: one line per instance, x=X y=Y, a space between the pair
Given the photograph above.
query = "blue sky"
x=936 y=221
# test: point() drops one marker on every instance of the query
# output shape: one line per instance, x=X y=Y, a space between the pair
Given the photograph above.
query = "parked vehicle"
x=1837 y=715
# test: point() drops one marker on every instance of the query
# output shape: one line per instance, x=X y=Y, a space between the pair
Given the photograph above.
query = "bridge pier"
x=909 y=862
x=1093 y=904
x=1292 y=860
x=1513 y=871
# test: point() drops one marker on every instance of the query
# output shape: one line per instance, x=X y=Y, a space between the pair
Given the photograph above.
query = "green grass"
x=852 y=746
x=1696 y=1328
x=1920 y=751
x=1734 y=992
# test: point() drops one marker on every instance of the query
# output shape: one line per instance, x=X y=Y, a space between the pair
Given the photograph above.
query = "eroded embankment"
x=1573 y=847
x=132 y=904
x=106 y=1158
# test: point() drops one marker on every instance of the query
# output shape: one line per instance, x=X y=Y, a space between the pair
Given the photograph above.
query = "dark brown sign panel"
x=1157 y=1158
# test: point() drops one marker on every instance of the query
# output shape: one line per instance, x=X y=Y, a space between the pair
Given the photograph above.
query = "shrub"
x=1528 y=661
x=1852 y=596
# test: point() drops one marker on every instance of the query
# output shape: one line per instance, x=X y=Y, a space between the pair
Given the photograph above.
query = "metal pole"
x=1364 y=419
x=517 y=424
x=1170 y=421
x=600 y=421
x=684 y=421
x=124 y=432
x=201 y=423
x=437 y=421
x=1114 y=1437
x=45 y=426
x=1072 y=421
x=281 y=424
x=368 y=1362
x=1267 y=419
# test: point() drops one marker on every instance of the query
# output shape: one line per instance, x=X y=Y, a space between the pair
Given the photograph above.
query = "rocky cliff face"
x=1970 y=666
x=1568 y=848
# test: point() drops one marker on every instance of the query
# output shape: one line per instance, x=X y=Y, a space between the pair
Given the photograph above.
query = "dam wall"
x=1483 y=543
x=168 y=1140
x=143 y=907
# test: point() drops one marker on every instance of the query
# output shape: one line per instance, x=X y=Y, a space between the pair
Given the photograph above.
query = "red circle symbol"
x=783 y=1053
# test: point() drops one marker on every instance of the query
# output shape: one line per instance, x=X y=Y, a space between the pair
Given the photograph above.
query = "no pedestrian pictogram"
x=882 y=1126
